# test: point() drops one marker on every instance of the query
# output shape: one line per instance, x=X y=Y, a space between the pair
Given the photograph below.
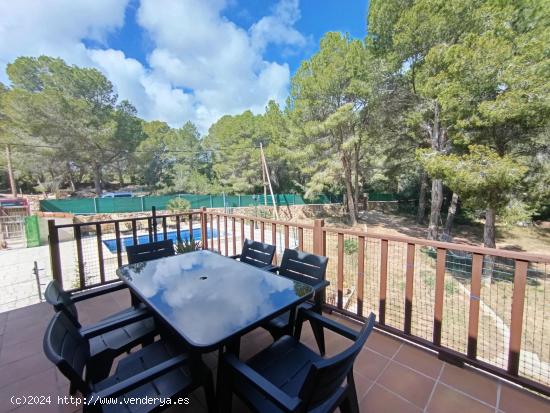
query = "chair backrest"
x=61 y=300
x=65 y=347
x=150 y=251
x=326 y=376
x=303 y=267
x=257 y=253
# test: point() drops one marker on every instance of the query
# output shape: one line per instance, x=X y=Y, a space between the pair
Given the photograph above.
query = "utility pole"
x=10 y=172
x=266 y=172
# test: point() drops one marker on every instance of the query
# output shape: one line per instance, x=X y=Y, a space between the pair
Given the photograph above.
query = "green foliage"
x=188 y=245
x=481 y=177
x=350 y=246
x=178 y=205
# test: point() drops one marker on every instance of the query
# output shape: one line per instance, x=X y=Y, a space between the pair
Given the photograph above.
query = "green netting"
x=142 y=204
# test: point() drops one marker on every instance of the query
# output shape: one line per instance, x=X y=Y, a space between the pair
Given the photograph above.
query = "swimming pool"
x=144 y=239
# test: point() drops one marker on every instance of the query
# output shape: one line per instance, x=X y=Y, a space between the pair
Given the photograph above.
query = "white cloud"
x=202 y=65
x=55 y=27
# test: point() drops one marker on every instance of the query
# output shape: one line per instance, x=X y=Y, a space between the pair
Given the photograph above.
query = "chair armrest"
x=261 y=384
x=139 y=379
x=235 y=256
x=95 y=292
x=106 y=326
x=304 y=314
x=271 y=268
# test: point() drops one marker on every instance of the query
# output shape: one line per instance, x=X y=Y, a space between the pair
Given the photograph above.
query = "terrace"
x=447 y=338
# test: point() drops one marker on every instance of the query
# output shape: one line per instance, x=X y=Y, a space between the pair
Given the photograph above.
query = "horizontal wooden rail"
x=395 y=261
x=445 y=245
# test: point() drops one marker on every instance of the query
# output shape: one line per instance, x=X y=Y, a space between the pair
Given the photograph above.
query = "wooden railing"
x=482 y=306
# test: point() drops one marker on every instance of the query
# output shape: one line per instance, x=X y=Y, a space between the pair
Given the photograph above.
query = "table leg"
x=223 y=391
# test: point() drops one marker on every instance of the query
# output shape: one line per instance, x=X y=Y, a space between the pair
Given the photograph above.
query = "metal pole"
x=36 y=272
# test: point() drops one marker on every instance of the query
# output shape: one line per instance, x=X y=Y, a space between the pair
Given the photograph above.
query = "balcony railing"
x=482 y=306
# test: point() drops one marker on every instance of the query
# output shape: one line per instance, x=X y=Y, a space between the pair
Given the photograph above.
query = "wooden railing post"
x=55 y=256
x=360 y=275
x=475 y=298
x=383 y=281
x=204 y=229
x=318 y=236
x=516 y=320
x=340 y=271
x=439 y=294
x=409 y=285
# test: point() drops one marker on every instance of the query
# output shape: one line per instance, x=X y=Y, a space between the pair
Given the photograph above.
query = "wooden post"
x=439 y=294
x=475 y=297
x=360 y=275
x=318 y=237
x=383 y=280
x=409 y=280
x=340 y=270
x=100 y=252
x=516 y=320
x=55 y=256
x=204 y=230
x=154 y=212
x=80 y=256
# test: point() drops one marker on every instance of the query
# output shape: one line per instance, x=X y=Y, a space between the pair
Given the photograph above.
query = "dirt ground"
x=533 y=239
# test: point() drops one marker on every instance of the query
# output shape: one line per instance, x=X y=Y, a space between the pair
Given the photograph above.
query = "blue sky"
x=180 y=60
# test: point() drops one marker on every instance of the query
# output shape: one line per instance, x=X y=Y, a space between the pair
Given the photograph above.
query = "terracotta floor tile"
x=421 y=360
x=472 y=382
x=407 y=383
x=447 y=400
x=383 y=344
x=362 y=385
x=370 y=364
x=20 y=351
x=24 y=368
x=517 y=400
x=380 y=400
x=38 y=384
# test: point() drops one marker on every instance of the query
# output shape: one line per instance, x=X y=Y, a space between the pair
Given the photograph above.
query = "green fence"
x=142 y=204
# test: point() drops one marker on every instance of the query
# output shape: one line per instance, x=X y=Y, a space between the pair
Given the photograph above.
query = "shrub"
x=178 y=205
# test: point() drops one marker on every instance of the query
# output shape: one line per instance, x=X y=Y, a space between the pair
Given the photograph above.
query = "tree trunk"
x=489 y=241
x=451 y=213
x=438 y=137
x=489 y=228
x=356 y=183
x=349 y=191
x=435 y=208
x=421 y=213
x=97 y=179
x=120 y=177
x=11 y=177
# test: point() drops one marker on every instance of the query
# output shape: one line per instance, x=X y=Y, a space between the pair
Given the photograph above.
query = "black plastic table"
x=211 y=300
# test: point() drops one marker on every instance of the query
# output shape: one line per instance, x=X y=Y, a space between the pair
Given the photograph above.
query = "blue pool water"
x=144 y=239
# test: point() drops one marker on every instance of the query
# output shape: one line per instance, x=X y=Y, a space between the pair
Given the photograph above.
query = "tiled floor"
x=392 y=376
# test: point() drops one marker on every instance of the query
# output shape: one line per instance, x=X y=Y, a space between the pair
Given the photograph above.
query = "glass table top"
x=208 y=298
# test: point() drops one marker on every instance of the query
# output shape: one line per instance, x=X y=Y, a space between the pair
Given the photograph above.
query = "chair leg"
x=224 y=394
x=210 y=395
x=98 y=368
x=319 y=337
x=350 y=403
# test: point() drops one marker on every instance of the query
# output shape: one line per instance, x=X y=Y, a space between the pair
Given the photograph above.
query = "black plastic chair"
x=150 y=251
x=159 y=370
x=121 y=331
x=257 y=254
x=290 y=377
x=147 y=252
x=309 y=269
